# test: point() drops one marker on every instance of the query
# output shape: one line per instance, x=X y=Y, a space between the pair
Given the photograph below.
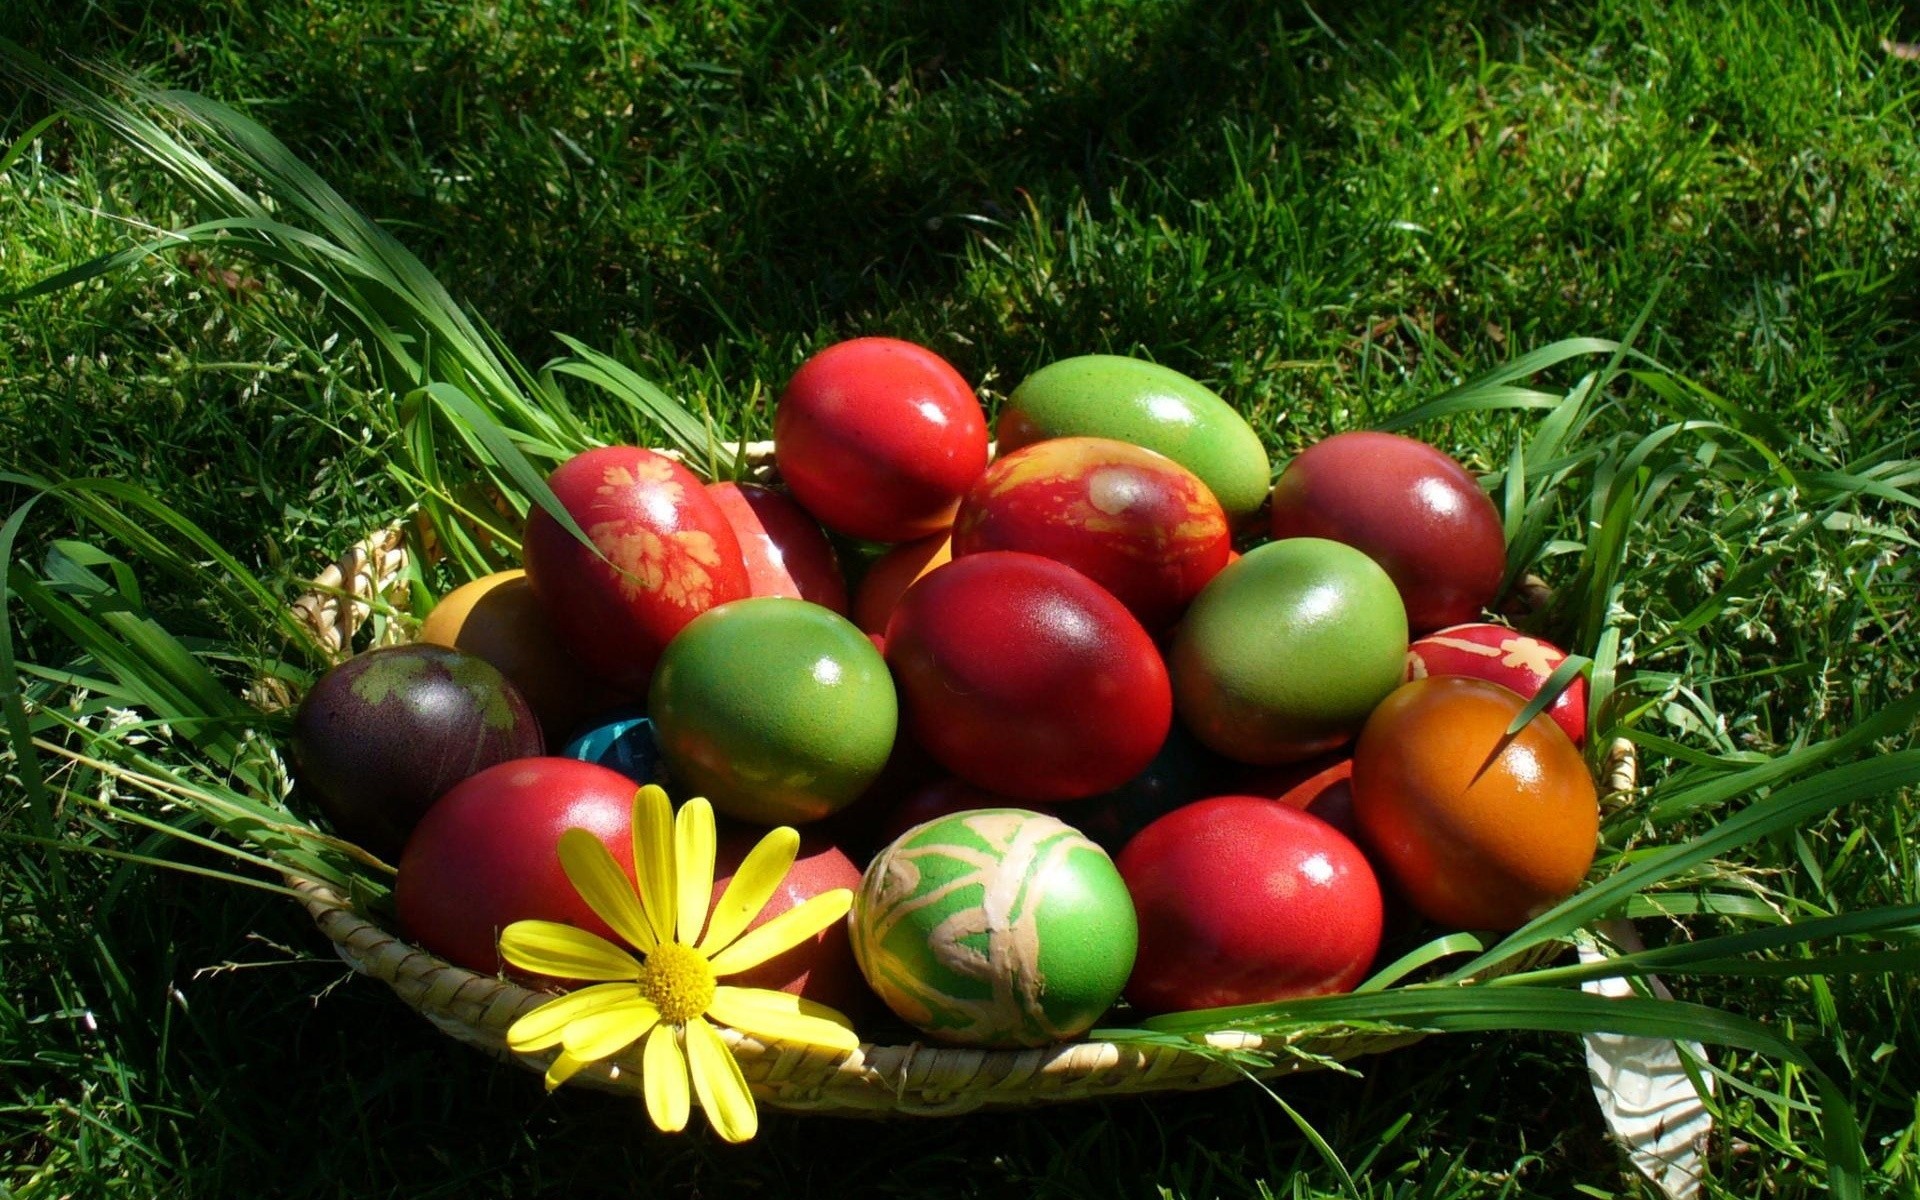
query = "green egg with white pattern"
x=1132 y=400
x=777 y=710
x=996 y=928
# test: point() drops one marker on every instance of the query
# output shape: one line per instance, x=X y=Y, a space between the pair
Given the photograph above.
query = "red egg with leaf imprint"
x=783 y=549
x=1409 y=507
x=1134 y=521
x=1515 y=660
x=1024 y=677
x=670 y=555
x=879 y=439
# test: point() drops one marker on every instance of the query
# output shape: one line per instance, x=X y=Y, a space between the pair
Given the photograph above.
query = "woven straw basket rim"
x=874 y=1080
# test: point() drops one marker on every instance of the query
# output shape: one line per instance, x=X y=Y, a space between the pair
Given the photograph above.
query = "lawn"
x=1331 y=215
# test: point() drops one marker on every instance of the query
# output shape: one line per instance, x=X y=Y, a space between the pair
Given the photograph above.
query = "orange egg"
x=892 y=574
x=1480 y=831
x=497 y=618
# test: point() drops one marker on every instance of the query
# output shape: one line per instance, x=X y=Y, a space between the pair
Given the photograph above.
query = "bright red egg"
x=1242 y=901
x=1135 y=522
x=821 y=969
x=669 y=556
x=783 y=548
x=1023 y=676
x=1507 y=657
x=1411 y=508
x=879 y=439
x=487 y=854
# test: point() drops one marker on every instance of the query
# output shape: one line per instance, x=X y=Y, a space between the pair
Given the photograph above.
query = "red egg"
x=1507 y=657
x=1327 y=795
x=1025 y=677
x=879 y=439
x=1135 y=522
x=784 y=550
x=941 y=798
x=822 y=968
x=1411 y=508
x=670 y=556
x=487 y=854
x=1245 y=901
x=892 y=574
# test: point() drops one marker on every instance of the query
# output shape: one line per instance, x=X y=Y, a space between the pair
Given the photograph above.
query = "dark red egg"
x=487 y=854
x=1137 y=523
x=1327 y=794
x=879 y=439
x=890 y=575
x=1242 y=900
x=1411 y=508
x=670 y=555
x=821 y=969
x=1023 y=676
x=940 y=798
x=783 y=548
x=1512 y=659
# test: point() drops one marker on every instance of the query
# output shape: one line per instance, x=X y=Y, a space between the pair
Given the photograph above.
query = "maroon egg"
x=487 y=854
x=1412 y=508
x=670 y=555
x=940 y=798
x=784 y=550
x=1512 y=659
x=1023 y=676
x=383 y=735
x=1135 y=522
x=1244 y=901
x=879 y=439
x=821 y=969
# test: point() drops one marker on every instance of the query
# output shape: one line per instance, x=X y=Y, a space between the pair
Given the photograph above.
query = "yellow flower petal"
x=563 y=1067
x=663 y=1079
x=784 y=932
x=693 y=844
x=653 y=858
x=564 y=952
x=604 y=886
x=541 y=1028
x=719 y=1084
x=752 y=885
x=608 y=1031
x=782 y=1017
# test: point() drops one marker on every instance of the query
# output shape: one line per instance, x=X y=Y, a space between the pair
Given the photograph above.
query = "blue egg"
x=623 y=741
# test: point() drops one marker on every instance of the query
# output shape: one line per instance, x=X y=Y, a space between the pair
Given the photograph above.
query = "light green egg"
x=997 y=928
x=1131 y=400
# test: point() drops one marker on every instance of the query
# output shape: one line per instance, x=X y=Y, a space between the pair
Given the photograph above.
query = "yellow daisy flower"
x=670 y=995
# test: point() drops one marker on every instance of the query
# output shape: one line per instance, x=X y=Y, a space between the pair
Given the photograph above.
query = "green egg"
x=1129 y=400
x=1285 y=654
x=996 y=927
x=776 y=710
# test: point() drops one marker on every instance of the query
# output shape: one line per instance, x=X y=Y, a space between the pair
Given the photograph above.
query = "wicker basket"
x=875 y=1079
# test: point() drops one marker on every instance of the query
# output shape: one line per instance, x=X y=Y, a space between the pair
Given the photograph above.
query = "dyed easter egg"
x=996 y=928
x=938 y=798
x=783 y=548
x=1286 y=651
x=1129 y=400
x=487 y=854
x=497 y=618
x=892 y=574
x=1327 y=794
x=669 y=556
x=776 y=710
x=1479 y=830
x=1183 y=771
x=1024 y=677
x=821 y=968
x=879 y=439
x=1241 y=900
x=383 y=735
x=621 y=741
x=1133 y=521
x=1411 y=508
x=1507 y=657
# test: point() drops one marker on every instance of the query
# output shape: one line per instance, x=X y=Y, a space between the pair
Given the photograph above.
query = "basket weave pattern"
x=875 y=1079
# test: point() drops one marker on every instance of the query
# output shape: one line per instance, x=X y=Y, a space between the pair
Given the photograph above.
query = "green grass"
x=1330 y=221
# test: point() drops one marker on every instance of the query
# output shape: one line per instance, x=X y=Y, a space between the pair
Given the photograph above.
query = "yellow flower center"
x=678 y=980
